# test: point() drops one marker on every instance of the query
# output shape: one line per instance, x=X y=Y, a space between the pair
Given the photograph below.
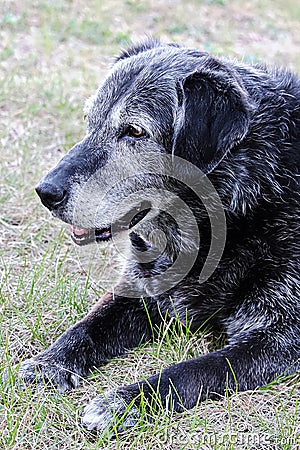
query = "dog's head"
x=158 y=100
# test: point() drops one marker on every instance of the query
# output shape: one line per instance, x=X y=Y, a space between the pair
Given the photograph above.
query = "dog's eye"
x=135 y=132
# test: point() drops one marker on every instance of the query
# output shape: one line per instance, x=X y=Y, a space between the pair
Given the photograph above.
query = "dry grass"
x=52 y=56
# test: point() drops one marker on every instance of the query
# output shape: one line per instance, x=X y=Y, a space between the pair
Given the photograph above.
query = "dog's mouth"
x=83 y=236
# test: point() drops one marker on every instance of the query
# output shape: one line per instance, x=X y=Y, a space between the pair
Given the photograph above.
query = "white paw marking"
x=109 y=412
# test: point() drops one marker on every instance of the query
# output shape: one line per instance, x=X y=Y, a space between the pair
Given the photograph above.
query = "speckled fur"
x=240 y=125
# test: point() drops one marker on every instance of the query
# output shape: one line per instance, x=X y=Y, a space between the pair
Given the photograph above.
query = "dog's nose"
x=50 y=194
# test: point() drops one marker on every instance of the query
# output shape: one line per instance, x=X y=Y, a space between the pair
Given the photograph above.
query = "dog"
x=192 y=160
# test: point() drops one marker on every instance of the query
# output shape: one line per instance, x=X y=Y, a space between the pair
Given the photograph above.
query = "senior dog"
x=181 y=145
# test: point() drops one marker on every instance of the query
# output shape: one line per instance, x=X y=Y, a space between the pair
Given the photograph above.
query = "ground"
x=53 y=54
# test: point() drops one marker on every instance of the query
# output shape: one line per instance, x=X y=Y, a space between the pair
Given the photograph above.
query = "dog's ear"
x=213 y=117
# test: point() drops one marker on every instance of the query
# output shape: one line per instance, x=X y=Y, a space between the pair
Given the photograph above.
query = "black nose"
x=51 y=195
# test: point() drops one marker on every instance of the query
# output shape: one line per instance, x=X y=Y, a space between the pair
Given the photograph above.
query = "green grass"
x=52 y=56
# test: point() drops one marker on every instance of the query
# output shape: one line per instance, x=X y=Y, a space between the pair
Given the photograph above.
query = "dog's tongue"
x=78 y=231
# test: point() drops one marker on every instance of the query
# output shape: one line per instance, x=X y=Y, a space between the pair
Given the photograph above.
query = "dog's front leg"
x=254 y=362
x=114 y=326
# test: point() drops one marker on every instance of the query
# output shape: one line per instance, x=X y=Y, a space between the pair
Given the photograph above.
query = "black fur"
x=240 y=125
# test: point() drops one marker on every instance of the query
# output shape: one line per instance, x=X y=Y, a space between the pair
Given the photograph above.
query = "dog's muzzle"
x=54 y=197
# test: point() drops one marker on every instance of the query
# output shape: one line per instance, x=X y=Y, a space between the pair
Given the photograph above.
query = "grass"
x=52 y=56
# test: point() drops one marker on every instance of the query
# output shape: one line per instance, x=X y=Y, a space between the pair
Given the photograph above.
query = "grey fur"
x=239 y=126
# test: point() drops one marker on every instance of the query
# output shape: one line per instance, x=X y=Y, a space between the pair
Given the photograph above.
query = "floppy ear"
x=213 y=118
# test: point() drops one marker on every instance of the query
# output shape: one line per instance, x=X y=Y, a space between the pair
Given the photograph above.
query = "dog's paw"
x=42 y=373
x=112 y=413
